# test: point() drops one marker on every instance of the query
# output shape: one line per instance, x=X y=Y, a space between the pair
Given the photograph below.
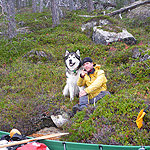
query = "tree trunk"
x=18 y=4
x=125 y=9
x=29 y=3
x=11 y=18
x=34 y=7
x=55 y=12
x=24 y=3
x=41 y=6
x=90 y=6
x=71 y=5
x=4 y=7
x=47 y=4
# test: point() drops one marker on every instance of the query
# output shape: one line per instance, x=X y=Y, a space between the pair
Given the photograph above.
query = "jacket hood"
x=96 y=66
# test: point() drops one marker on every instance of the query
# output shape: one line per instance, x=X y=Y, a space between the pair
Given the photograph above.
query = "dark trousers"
x=83 y=101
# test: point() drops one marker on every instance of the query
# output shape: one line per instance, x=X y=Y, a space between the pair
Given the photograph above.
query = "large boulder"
x=104 y=32
x=105 y=37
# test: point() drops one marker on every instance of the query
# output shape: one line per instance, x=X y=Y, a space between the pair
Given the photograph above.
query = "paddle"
x=33 y=139
x=139 y=120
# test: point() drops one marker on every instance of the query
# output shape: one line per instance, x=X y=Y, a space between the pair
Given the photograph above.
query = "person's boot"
x=83 y=106
x=76 y=108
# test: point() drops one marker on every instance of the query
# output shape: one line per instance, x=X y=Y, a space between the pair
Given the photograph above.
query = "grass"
x=32 y=86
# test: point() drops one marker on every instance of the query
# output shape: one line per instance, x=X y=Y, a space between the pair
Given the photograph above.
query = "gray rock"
x=92 y=24
x=21 y=23
x=88 y=25
x=23 y=30
x=105 y=37
x=103 y=22
x=136 y=53
x=146 y=56
x=38 y=55
x=60 y=120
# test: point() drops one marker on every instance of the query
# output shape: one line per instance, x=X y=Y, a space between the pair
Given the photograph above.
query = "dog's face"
x=72 y=60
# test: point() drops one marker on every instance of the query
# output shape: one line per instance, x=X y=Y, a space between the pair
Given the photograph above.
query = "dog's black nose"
x=70 y=61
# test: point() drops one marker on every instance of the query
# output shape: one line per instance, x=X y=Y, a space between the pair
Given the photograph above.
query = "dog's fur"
x=73 y=70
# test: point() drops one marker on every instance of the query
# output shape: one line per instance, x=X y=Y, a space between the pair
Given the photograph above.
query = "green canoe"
x=61 y=145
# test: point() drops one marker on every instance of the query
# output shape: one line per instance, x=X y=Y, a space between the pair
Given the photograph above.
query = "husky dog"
x=73 y=70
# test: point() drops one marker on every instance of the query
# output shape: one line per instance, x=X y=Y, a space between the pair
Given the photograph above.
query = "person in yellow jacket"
x=94 y=80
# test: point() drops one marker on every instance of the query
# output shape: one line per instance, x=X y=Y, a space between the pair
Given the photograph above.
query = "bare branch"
x=2 y=11
x=125 y=9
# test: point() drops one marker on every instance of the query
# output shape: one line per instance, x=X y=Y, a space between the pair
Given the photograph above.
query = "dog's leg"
x=66 y=90
x=71 y=90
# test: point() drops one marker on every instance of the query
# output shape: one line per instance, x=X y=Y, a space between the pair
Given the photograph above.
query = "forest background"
x=34 y=36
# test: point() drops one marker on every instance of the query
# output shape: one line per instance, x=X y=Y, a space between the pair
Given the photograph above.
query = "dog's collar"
x=75 y=71
x=72 y=71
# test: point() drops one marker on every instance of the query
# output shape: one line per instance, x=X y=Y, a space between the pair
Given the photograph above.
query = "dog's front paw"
x=65 y=92
x=71 y=99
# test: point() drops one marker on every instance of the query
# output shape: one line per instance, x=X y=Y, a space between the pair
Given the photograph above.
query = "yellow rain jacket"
x=94 y=83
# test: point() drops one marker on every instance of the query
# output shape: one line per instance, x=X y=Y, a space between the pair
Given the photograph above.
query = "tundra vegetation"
x=31 y=85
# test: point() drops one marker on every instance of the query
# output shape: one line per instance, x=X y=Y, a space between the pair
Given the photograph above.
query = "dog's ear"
x=67 y=52
x=78 y=52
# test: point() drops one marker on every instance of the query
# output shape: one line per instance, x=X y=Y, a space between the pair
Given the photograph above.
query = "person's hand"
x=82 y=93
x=83 y=73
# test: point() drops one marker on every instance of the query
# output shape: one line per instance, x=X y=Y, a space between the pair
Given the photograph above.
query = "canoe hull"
x=61 y=145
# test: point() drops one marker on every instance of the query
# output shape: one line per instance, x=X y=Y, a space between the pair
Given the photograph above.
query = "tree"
x=55 y=12
x=71 y=5
x=34 y=7
x=11 y=18
x=90 y=6
x=18 y=4
x=41 y=6
x=3 y=6
x=24 y=3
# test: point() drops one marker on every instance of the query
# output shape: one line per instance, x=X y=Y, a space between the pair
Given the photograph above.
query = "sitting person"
x=94 y=80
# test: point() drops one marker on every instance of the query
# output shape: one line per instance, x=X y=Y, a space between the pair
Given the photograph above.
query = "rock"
x=145 y=57
x=103 y=22
x=136 y=53
x=101 y=36
x=61 y=116
x=37 y=56
x=105 y=37
x=23 y=30
x=21 y=23
x=59 y=120
x=92 y=24
x=88 y=25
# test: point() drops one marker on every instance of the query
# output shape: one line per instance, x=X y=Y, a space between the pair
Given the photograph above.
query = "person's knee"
x=83 y=100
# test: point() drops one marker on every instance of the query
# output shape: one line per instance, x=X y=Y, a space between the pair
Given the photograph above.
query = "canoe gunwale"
x=63 y=145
